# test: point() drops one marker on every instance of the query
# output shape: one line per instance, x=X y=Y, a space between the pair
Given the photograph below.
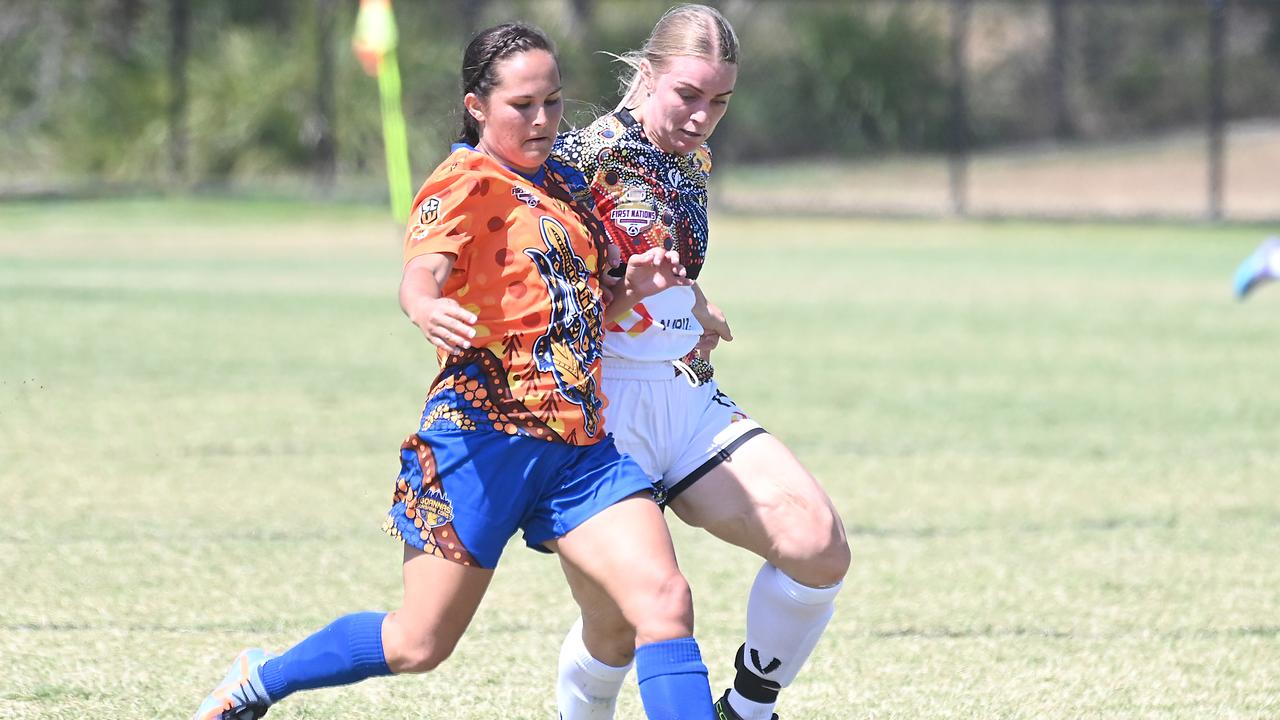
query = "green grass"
x=1055 y=449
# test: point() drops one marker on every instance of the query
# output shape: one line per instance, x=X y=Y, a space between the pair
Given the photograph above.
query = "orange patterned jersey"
x=525 y=265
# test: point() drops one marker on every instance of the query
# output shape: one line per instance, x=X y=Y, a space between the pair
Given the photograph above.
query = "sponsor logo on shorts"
x=434 y=507
x=684 y=323
x=724 y=401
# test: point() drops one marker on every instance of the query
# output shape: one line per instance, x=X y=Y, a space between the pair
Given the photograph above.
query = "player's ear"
x=474 y=106
x=647 y=76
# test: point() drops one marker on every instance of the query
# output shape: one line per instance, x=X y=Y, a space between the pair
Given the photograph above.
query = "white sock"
x=586 y=689
x=785 y=619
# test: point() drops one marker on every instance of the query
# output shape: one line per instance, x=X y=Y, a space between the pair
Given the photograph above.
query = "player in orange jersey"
x=501 y=276
x=645 y=168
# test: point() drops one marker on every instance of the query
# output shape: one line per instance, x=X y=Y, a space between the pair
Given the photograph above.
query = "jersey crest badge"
x=524 y=196
x=429 y=211
x=633 y=214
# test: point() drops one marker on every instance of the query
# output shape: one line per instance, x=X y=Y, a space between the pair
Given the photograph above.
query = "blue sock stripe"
x=669 y=657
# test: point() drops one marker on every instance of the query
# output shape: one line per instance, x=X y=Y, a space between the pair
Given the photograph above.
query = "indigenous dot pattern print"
x=644 y=197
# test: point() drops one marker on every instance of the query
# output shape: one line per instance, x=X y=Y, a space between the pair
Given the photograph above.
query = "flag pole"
x=375 y=44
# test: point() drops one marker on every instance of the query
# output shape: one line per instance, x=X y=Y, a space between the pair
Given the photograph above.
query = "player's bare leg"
x=596 y=654
x=440 y=598
x=626 y=552
x=762 y=499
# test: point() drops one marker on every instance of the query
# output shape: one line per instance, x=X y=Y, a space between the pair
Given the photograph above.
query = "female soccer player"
x=645 y=166
x=500 y=275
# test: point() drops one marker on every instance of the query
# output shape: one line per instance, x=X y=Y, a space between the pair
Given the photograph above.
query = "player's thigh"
x=626 y=550
x=440 y=599
x=638 y=421
x=762 y=499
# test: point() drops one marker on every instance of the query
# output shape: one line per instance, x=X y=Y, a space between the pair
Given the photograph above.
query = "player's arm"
x=714 y=325
x=442 y=320
x=647 y=273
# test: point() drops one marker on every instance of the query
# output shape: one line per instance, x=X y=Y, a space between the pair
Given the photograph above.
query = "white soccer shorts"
x=675 y=431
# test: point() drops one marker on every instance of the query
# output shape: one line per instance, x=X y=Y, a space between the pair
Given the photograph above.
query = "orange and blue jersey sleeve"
x=441 y=220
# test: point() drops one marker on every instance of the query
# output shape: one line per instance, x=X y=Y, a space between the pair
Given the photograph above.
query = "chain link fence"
x=1012 y=108
x=1058 y=108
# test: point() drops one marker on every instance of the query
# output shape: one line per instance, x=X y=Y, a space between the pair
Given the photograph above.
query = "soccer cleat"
x=725 y=711
x=240 y=695
x=1258 y=268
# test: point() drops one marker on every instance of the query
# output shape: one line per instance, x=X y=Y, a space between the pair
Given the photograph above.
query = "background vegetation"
x=87 y=87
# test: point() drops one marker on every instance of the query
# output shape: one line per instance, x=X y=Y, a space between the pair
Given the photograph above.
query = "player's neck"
x=638 y=115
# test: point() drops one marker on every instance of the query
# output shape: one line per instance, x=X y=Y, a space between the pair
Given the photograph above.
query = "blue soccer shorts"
x=462 y=494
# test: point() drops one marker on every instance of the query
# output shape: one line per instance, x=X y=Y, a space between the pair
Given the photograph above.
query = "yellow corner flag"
x=375 y=46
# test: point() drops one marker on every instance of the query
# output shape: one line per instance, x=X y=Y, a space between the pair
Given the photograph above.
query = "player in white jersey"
x=644 y=167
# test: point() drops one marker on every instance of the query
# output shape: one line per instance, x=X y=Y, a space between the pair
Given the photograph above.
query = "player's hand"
x=612 y=260
x=445 y=324
x=653 y=271
x=714 y=328
x=608 y=279
x=706 y=343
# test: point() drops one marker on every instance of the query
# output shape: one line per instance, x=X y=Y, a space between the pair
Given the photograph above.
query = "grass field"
x=1055 y=449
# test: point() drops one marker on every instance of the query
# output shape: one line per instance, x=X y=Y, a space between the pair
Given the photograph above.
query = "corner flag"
x=375 y=44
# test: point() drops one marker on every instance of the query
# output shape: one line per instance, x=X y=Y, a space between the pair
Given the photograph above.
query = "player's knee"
x=609 y=637
x=833 y=558
x=421 y=657
x=407 y=651
x=814 y=549
x=664 y=610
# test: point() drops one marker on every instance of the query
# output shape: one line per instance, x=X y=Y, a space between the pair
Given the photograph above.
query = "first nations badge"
x=633 y=214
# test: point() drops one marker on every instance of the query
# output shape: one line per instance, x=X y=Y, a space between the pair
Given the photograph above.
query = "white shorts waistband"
x=620 y=369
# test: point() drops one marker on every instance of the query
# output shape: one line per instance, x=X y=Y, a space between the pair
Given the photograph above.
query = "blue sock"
x=347 y=650
x=673 y=681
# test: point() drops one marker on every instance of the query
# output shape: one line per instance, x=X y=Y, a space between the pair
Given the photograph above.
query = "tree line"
x=214 y=91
